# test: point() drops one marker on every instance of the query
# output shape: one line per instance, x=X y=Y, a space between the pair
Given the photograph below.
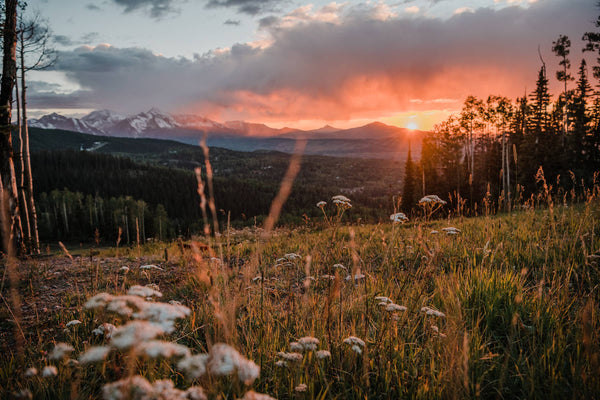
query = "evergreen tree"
x=409 y=195
x=579 y=145
x=561 y=47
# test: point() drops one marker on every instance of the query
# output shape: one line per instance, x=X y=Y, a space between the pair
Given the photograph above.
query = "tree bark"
x=27 y=159
x=20 y=172
x=7 y=168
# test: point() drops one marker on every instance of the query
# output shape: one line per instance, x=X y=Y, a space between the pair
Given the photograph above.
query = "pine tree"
x=409 y=195
x=562 y=48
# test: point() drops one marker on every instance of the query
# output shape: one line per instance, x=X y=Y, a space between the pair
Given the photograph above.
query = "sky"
x=295 y=63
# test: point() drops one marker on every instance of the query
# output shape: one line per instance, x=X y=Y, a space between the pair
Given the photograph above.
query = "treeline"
x=85 y=195
x=497 y=152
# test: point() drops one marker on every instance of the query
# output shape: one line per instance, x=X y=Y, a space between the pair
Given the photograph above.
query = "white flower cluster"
x=139 y=335
x=432 y=312
x=341 y=201
x=357 y=344
x=451 y=230
x=398 y=218
x=321 y=204
x=431 y=199
x=138 y=388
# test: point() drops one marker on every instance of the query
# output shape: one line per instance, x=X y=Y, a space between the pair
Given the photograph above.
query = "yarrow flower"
x=322 y=354
x=193 y=366
x=431 y=199
x=357 y=277
x=432 y=312
x=49 y=371
x=394 y=307
x=451 y=230
x=150 y=266
x=293 y=357
x=94 y=354
x=301 y=387
x=73 y=323
x=60 y=351
x=341 y=201
x=321 y=204
x=383 y=299
x=309 y=343
x=356 y=343
x=105 y=329
x=398 y=218
x=31 y=372
x=143 y=291
x=224 y=360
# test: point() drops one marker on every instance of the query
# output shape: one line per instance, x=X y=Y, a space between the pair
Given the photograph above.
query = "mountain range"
x=373 y=140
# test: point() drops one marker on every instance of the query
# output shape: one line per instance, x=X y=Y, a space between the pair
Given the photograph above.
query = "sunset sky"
x=294 y=63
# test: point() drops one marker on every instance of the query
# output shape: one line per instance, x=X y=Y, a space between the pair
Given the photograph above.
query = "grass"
x=519 y=294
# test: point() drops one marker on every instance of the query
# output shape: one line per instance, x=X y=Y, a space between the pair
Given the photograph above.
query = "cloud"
x=356 y=67
x=233 y=22
x=63 y=40
x=92 y=7
x=155 y=8
x=250 y=7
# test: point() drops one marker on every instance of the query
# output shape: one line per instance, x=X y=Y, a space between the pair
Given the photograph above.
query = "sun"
x=412 y=125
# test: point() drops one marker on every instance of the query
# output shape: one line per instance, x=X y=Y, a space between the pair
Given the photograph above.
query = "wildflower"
x=224 y=360
x=31 y=372
x=321 y=204
x=434 y=232
x=133 y=332
x=431 y=311
x=143 y=291
x=193 y=366
x=294 y=357
x=257 y=278
x=301 y=388
x=436 y=330
x=161 y=314
x=357 y=349
x=105 y=329
x=49 y=371
x=94 y=354
x=159 y=348
x=451 y=230
x=322 y=354
x=60 y=351
x=175 y=303
x=135 y=387
x=339 y=266
x=99 y=300
x=252 y=395
x=295 y=346
x=73 y=323
x=195 y=393
x=394 y=307
x=124 y=269
x=150 y=266
x=292 y=257
x=341 y=201
x=281 y=364
x=383 y=299
x=431 y=199
x=398 y=218
x=353 y=340
x=309 y=343
x=330 y=277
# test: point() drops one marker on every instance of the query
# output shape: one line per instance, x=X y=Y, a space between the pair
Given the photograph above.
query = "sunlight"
x=412 y=125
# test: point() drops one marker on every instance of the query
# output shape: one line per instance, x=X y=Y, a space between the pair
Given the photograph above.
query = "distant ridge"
x=155 y=123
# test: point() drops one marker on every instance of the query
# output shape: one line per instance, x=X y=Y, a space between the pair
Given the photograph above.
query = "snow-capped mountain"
x=103 y=120
x=56 y=121
x=136 y=125
x=197 y=122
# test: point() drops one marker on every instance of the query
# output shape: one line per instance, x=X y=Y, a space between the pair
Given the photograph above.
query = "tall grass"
x=514 y=299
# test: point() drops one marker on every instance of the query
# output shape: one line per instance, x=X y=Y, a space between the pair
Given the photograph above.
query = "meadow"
x=503 y=306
